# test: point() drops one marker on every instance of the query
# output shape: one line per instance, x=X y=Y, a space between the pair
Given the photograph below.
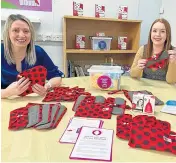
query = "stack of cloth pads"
x=146 y=132
x=38 y=116
x=98 y=106
x=101 y=107
x=65 y=94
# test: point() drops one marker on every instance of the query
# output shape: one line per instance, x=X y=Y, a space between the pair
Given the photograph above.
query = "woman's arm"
x=170 y=77
x=54 y=82
x=15 y=88
x=171 y=74
x=5 y=93
x=135 y=71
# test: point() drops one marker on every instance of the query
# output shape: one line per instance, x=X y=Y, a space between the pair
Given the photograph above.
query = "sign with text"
x=35 y=5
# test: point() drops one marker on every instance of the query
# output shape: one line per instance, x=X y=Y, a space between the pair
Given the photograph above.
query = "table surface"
x=30 y=145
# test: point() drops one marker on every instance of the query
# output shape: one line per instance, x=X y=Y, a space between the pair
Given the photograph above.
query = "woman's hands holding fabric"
x=39 y=89
x=18 y=87
x=141 y=63
x=172 y=55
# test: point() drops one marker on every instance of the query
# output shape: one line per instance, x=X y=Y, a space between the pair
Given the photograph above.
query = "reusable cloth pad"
x=18 y=119
x=65 y=94
x=36 y=74
x=146 y=132
x=33 y=115
x=54 y=112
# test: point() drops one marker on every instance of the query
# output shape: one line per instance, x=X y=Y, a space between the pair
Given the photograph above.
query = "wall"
x=148 y=12
x=51 y=22
x=169 y=14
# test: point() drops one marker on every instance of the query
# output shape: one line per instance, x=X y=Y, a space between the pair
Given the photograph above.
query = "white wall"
x=148 y=12
x=51 y=22
x=169 y=14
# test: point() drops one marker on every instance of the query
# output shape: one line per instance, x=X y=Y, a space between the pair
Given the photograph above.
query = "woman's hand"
x=141 y=63
x=18 y=87
x=172 y=57
x=39 y=89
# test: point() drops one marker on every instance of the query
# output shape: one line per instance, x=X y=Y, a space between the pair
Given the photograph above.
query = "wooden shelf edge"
x=89 y=51
x=105 y=19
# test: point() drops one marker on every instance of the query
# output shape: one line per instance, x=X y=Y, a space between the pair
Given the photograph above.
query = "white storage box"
x=101 y=43
x=105 y=77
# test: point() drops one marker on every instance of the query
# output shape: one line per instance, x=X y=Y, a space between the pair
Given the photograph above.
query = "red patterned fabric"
x=36 y=74
x=88 y=108
x=18 y=119
x=158 y=61
x=65 y=94
x=59 y=117
x=146 y=132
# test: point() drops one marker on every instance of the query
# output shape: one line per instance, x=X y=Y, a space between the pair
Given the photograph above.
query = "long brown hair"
x=167 y=44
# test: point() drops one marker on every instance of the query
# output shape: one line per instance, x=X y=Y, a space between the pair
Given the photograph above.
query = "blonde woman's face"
x=158 y=33
x=20 y=34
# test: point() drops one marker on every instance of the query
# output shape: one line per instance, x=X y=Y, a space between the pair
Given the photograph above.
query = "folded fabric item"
x=33 y=115
x=146 y=132
x=90 y=107
x=158 y=61
x=129 y=95
x=65 y=94
x=59 y=116
x=18 y=119
x=46 y=114
x=98 y=106
x=40 y=109
x=54 y=112
x=36 y=74
x=29 y=116
x=57 y=113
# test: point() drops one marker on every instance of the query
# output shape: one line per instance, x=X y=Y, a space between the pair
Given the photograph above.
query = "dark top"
x=9 y=72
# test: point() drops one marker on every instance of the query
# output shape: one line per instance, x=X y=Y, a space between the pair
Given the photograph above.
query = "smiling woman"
x=19 y=53
x=157 y=59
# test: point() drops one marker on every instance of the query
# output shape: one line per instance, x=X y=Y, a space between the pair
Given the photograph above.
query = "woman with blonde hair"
x=157 y=59
x=19 y=53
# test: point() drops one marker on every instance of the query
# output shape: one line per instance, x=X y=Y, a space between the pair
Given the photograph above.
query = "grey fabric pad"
x=117 y=110
x=45 y=115
x=157 y=100
x=47 y=125
x=33 y=115
x=119 y=101
x=99 y=99
x=62 y=109
x=78 y=101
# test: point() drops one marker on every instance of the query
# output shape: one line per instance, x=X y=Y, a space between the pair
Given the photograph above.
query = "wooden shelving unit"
x=88 y=26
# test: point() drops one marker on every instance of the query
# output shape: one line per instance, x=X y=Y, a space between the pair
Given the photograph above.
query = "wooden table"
x=30 y=145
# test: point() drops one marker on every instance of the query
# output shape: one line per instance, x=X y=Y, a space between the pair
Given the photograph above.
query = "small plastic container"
x=105 y=77
x=101 y=43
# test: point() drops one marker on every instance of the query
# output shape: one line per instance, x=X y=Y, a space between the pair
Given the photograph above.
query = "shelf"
x=33 y=20
x=89 y=26
x=101 y=19
x=89 y=51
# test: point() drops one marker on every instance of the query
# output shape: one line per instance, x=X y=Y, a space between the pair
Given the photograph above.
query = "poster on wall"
x=35 y=5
